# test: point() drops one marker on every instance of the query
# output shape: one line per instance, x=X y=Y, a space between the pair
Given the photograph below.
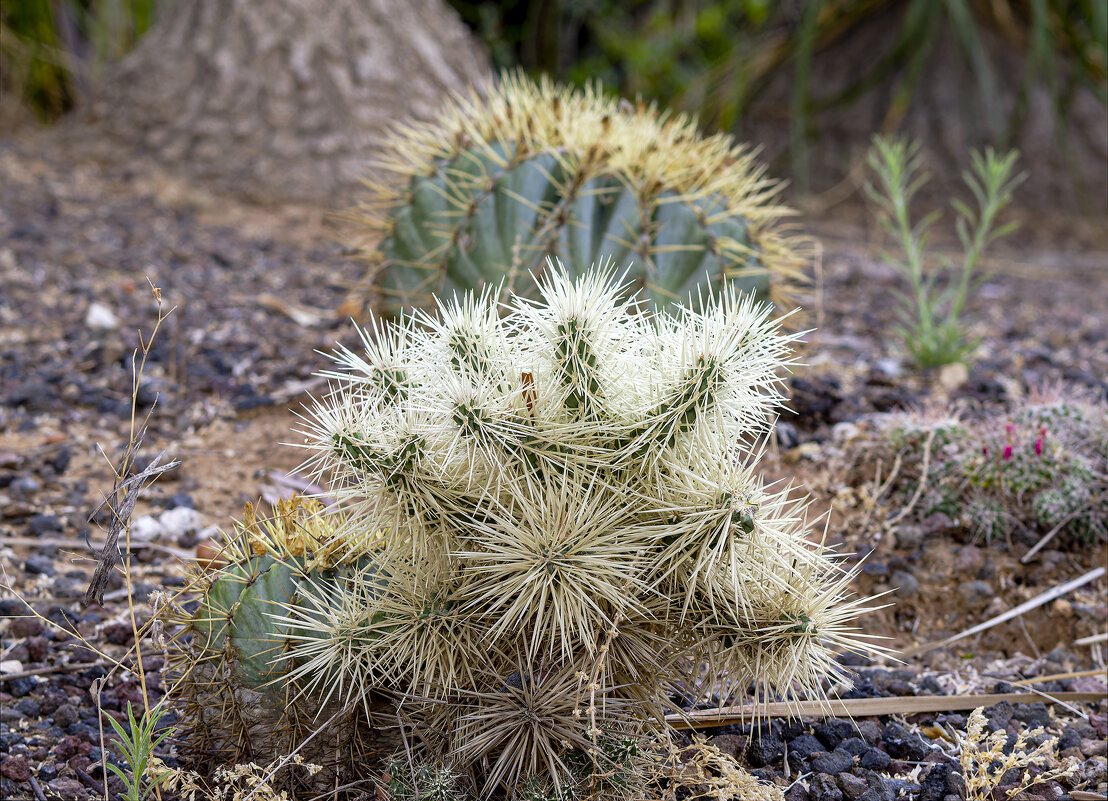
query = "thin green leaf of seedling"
x=932 y=311
x=136 y=745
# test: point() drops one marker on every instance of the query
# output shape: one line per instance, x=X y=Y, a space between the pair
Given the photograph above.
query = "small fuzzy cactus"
x=1037 y=466
x=500 y=183
x=554 y=534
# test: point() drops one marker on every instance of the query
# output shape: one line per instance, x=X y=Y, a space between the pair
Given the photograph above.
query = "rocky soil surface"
x=254 y=294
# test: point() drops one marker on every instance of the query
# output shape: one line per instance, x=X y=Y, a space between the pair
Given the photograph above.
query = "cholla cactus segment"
x=552 y=523
x=502 y=182
x=570 y=525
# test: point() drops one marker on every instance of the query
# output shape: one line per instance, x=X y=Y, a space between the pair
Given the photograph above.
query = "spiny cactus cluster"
x=232 y=653
x=500 y=183
x=552 y=526
x=1037 y=467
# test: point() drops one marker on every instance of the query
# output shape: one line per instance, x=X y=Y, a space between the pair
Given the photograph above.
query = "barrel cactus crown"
x=500 y=183
x=554 y=534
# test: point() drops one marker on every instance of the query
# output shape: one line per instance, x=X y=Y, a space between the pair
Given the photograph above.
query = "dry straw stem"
x=864 y=707
x=984 y=761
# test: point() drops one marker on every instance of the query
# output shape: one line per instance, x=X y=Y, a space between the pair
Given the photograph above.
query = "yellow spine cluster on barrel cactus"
x=503 y=181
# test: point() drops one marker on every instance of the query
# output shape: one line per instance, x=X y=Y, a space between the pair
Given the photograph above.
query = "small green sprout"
x=136 y=745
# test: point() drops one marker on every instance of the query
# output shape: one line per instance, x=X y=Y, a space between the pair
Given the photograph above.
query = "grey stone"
x=44 y=524
x=39 y=565
x=907 y=585
x=65 y=715
x=874 y=759
x=23 y=488
x=834 y=763
x=824 y=788
x=852 y=786
x=975 y=593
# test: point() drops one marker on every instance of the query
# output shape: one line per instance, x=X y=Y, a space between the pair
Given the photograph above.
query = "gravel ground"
x=254 y=293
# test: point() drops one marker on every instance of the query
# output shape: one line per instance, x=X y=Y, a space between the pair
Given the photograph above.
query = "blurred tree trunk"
x=281 y=100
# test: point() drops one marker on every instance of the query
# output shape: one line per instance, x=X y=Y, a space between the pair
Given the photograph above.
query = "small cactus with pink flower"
x=1039 y=466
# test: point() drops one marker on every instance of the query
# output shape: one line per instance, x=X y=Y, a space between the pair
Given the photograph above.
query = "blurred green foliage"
x=715 y=57
x=51 y=50
x=711 y=57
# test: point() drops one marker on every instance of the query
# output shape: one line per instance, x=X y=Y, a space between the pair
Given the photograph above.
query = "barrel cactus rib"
x=498 y=185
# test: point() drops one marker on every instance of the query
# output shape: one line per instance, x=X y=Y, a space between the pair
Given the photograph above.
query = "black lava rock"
x=764 y=750
x=39 y=565
x=899 y=788
x=933 y=786
x=181 y=500
x=998 y=715
x=65 y=715
x=805 y=745
x=834 y=732
x=853 y=787
x=824 y=788
x=1034 y=715
x=902 y=744
x=61 y=459
x=20 y=687
x=12 y=607
x=874 y=759
x=855 y=746
x=41 y=525
x=870 y=731
x=834 y=763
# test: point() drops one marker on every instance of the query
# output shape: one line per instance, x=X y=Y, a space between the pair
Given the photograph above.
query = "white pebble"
x=182 y=520
x=100 y=318
x=145 y=529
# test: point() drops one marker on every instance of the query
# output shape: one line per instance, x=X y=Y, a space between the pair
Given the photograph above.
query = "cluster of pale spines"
x=660 y=155
x=558 y=485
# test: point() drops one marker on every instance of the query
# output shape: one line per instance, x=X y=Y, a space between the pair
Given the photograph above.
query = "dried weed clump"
x=243 y=782
x=986 y=761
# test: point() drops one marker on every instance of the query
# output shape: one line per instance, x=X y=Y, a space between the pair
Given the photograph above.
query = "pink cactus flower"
x=1039 y=446
x=1007 y=452
x=984 y=451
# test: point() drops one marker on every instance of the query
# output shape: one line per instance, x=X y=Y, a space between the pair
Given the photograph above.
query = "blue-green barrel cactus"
x=501 y=183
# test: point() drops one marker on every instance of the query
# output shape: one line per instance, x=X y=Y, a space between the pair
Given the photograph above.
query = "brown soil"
x=233 y=358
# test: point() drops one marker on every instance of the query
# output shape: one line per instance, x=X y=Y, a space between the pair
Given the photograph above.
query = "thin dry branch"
x=1027 y=606
x=863 y=707
x=121 y=502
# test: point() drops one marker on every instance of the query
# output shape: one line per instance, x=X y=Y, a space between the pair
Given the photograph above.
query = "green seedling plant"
x=933 y=329
x=136 y=744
